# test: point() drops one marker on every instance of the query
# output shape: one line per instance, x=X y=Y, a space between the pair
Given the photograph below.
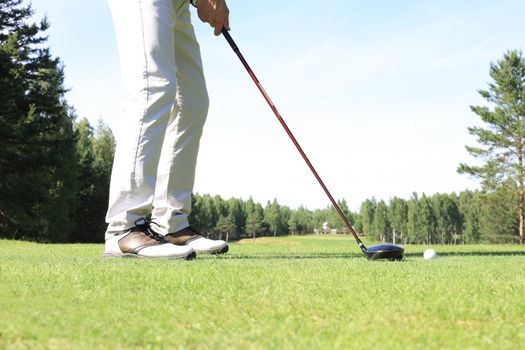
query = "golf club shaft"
x=228 y=38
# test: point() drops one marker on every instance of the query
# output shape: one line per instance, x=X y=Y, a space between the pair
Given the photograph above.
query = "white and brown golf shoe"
x=189 y=237
x=142 y=242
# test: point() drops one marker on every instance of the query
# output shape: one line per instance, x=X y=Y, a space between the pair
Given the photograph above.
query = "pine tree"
x=84 y=230
x=204 y=215
x=226 y=226
x=94 y=152
x=104 y=151
x=237 y=216
x=502 y=138
x=37 y=161
x=254 y=217
x=501 y=214
x=209 y=206
x=200 y=216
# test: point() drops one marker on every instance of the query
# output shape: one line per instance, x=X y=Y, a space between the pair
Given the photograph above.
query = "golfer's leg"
x=144 y=31
x=176 y=173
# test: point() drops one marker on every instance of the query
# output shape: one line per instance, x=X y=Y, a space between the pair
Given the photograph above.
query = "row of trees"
x=236 y=218
x=54 y=171
x=467 y=217
x=470 y=217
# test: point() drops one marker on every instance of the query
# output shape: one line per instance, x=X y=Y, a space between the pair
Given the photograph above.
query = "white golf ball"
x=429 y=254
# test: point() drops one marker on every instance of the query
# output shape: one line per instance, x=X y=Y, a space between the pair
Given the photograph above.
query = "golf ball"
x=429 y=254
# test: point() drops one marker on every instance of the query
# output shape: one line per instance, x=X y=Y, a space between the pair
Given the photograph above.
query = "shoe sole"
x=116 y=255
x=222 y=250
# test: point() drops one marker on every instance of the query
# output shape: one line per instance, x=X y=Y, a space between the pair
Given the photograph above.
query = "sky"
x=376 y=92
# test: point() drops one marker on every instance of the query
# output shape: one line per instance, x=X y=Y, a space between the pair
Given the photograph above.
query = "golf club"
x=380 y=251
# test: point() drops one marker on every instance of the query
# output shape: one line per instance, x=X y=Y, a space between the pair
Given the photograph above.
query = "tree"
x=470 y=206
x=367 y=213
x=254 y=217
x=237 y=216
x=381 y=223
x=427 y=219
x=37 y=161
x=500 y=214
x=211 y=214
x=320 y=216
x=225 y=225
x=272 y=216
x=94 y=154
x=293 y=223
x=414 y=229
x=200 y=216
x=398 y=214
x=220 y=206
x=305 y=222
x=218 y=209
x=83 y=211
x=284 y=215
x=502 y=138
x=334 y=220
x=358 y=226
x=104 y=151
x=448 y=220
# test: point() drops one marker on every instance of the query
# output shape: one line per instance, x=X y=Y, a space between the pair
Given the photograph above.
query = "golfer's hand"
x=214 y=12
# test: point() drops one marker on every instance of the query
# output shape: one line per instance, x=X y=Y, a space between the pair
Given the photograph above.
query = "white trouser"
x=166 y=104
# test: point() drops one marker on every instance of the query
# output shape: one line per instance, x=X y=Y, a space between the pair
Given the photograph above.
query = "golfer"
x=166 y=104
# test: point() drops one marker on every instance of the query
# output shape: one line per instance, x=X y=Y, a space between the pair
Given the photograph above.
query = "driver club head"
x=385 y=251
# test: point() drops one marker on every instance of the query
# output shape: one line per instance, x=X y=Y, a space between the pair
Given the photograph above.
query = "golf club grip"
x=229 y=39
x=233 y=45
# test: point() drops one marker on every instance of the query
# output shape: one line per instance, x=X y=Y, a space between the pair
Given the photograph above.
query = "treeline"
x=235 y=218
x=468 y=217
x=64 y=201
x=53 y=171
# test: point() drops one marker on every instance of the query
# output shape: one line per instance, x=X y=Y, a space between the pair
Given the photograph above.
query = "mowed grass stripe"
x=283 y=292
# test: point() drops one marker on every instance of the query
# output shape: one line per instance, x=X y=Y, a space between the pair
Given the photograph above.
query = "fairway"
x=294 y=292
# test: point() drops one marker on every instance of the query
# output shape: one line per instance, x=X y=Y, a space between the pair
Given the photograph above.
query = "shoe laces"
x=144 y=225
x=193 y=230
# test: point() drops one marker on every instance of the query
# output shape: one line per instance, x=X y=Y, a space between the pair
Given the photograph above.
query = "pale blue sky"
x=377 y=92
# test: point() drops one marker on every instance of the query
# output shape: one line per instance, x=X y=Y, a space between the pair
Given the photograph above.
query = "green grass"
x=279 y=293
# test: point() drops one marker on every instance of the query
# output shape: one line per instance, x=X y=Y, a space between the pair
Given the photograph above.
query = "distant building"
x=325 y=229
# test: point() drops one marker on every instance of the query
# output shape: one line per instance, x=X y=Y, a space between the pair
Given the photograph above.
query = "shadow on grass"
x=353 y=255
x=497 y=253
x=290 y=256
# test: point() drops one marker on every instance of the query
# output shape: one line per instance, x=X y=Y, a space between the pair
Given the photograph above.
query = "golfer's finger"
x=218 y=24
x=227 y=23
x=217 y=28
